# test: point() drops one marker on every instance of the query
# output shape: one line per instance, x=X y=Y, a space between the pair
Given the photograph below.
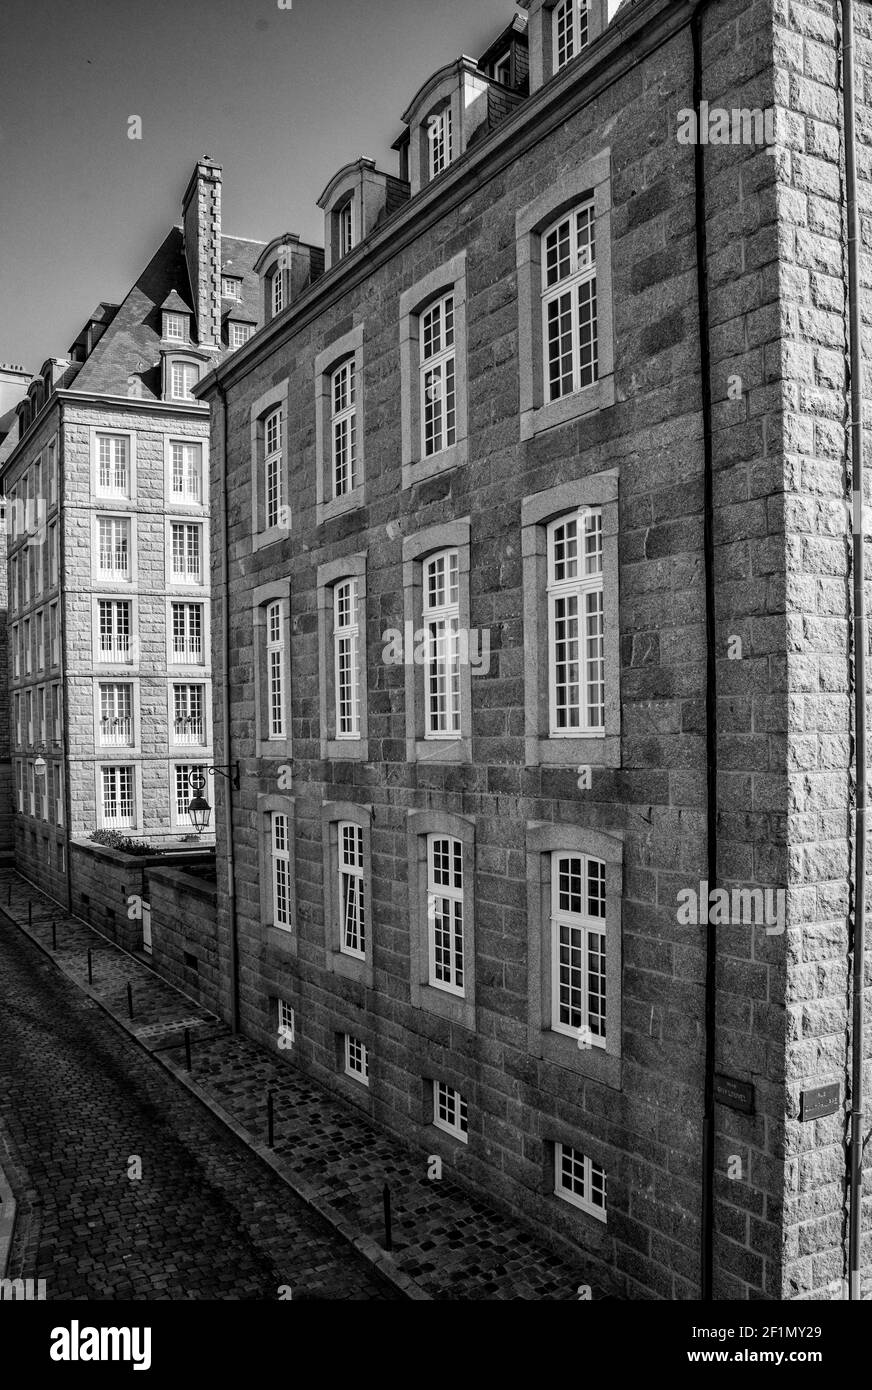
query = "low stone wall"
x=183 y=930
x=110 y=887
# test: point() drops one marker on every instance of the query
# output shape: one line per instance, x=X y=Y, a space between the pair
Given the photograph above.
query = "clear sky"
x=280 y=98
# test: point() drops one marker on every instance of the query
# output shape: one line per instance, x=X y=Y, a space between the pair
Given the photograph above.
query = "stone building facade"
x=580 y=398
x=107 y=490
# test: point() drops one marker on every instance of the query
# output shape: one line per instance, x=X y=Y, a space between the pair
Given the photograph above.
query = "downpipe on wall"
x=229 y=858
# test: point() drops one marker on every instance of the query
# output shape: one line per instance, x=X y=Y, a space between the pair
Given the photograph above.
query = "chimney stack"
x=201 y=217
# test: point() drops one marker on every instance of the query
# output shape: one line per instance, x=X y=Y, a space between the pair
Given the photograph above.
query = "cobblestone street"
x=206 y=1220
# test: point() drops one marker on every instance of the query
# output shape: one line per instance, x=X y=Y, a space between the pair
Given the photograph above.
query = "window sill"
x=419 y=470
x=351 y=967
x=342 y=750
x=281 y=944
x=573 y=752
x=561 y=1050
x=432 y=750
x=261 y=539
x=597 y=397
x=451 y=1006
x=339 y=506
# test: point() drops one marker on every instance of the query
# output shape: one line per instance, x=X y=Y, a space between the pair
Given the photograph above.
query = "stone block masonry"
x=781 y=548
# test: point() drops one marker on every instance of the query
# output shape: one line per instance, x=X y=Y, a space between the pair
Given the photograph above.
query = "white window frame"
x=346 y=660
x=180 y=774
x=438 y=377
x=447 y=281
x=441 y=624
x=277 y=291
x=586 y=592
x=273 y=467
x=575 y=932
x=275 y=618
x=240 y=333
x=175 y=327
x=450 y=1111
x=345 y=228
x=570 y=293
x=356 y=1058
x=188 y=576
x=235 y=290
x=571 y=31
x=113 y=463
x=343 y=429
x=439 y=141
x=179 y=372
x=120 y=655
x=588 y=1178
x=448 y=976
x=114 y=771
x=121 y=533
x=351 y=883
x=190 y=471
x=108 y=696
x=285 y=1015
x=265 y=407
x=188 y=658
x=281 y=861
x=187 y=696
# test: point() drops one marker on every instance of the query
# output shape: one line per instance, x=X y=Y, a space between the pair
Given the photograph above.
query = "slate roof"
x=130 y=347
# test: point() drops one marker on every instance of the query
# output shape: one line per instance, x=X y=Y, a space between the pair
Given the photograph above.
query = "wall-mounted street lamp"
x=199 y=809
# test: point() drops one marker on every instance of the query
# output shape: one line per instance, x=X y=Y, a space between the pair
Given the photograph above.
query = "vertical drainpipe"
x=62 y=639
x=857 y=945
x=227 y=758
x=708 y=1130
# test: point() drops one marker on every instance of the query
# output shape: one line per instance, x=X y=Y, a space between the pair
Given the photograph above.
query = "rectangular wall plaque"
x=820 y=1101
x=738 y=1095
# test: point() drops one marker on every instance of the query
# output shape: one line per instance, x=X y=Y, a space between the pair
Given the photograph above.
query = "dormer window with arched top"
x=354 y=202
x=344 y=220
x=439 y=150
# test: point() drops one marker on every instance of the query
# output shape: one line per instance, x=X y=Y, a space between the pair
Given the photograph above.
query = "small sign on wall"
x=820 y=1101
x=738 y=1095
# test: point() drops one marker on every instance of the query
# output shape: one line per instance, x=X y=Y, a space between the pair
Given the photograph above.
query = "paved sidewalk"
x=446 y=1244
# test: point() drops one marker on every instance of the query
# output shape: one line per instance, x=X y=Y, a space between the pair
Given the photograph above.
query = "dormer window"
x=231 y=287
x=175 y=328
x=183 y=378
x=240 y=333
x=571 y=30
x=439 y=141
x=277 y=292
x=503 y=70
x=345 y=228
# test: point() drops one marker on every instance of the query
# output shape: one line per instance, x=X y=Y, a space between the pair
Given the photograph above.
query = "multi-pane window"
x=280 y=856
x=13 y=571
x=275 y=660
x=578 y=947
x=59 y=804
x=175 y=327
x=117 y=796
x=345 y=228
x=441 y=613
x=19 y=782
x=52 y=472
x=437 y=371
x=571 y=30
x=187 y=472
x=56 y=714
x=116 y=714
x=189 y=725
x=286 y=1020
x=53 y=634
x=240 y=334
x=353 y=924
x=231 y=288
x=52 y=554
x=26 y=565
x=445 y=912
x=31 y=788
x=576 y=625
x=40 y=641
x=16 y=650
x=346 y=659
x=343 y=426
x=114 y=547
x=272 y=466
x=278 y=292
x=569 y=303
x=450 y=1111
x=28 y=658
x=113 y=465
x=28 y=710
x=187 y=625
x=182 y=788
x=17 y=707
x=186 y=551
x=439 y=141
x=114 y=625
x=577 y=1179
x=503 y=70
x=356 y=1059
x=183 y=378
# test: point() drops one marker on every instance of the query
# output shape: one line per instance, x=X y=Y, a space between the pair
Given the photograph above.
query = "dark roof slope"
x=238 y=257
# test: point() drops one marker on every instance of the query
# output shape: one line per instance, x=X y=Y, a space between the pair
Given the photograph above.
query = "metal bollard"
x=386 y=1198
x=270 y=1117
x=130 y=999
x=188 y=1048
x=90 y=968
